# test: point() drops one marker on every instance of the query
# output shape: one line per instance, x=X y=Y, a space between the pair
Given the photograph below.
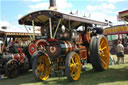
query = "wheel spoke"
x=72 y=72
x=100 y=53
x=73 y=68
x=104 y=55
x=71 y=65
x=104 y=48
x=42 y=74
x=77 y=64
x=72 y=60
x=103 y=61
x=75 y=60
x=76 y=68
x=101 y=42
x=39 y=61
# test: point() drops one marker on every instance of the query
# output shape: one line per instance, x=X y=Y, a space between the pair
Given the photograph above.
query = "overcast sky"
x=12 y=10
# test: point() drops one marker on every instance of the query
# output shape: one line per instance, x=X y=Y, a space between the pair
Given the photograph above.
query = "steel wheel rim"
x=104 y=52
x=43 y=67
x=75 y=67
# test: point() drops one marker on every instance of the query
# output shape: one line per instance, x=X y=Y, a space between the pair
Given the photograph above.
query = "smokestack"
x=52 y=5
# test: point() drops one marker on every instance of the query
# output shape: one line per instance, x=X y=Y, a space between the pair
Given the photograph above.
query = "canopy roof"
x=124 y=15
x=42 y=17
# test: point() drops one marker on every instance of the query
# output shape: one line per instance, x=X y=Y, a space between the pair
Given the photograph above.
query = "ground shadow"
x=95 y=78
x=89 y=77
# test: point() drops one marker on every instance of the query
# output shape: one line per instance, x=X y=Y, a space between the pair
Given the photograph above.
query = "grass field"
x=115 y=75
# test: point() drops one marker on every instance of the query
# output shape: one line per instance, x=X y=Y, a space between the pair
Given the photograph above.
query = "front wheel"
x=73 y=66
x=41 y=66
x=11 y=69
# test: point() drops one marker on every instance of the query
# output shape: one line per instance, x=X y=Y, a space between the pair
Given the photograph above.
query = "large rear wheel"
x=73 y=66
x=41 y=66
x=99 y=50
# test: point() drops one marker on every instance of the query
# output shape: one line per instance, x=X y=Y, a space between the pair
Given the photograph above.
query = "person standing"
x=120 y=52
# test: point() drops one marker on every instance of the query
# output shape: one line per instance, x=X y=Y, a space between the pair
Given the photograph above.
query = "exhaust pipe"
x=52 y=5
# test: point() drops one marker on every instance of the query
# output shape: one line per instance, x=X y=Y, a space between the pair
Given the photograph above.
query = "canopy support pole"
x=33 y=29
x=3 y=44
x=57 y=28
x=69 y=25
x=50 y=25
x=28 y=32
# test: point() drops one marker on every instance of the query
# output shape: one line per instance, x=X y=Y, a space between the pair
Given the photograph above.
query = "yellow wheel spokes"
x=43 y=67
x=72 y=66
x=40 y=68
x=72 y=60
x=102 y=42
x=42 y=75
x=104 y=48
x=103 y=62
x=75 y=67
x=103 y=52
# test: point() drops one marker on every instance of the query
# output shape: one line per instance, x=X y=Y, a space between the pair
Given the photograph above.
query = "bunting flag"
x=119 y=19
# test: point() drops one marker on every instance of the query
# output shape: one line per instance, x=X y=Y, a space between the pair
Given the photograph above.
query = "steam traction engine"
x=13 y=63
x=12 y=57
x=66 y=41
